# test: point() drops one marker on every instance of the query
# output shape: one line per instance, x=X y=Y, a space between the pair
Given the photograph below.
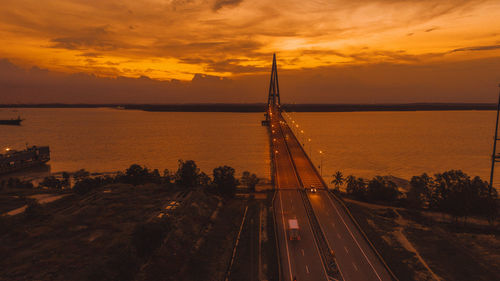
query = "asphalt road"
x=355 y=258
x=300 y=259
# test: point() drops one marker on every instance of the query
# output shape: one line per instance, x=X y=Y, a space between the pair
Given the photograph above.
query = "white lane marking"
x=307 y=269
x=352 y=235
x=303 y=254
x=355 y=267
x=284 y=227
x=345 y=248
x=310 y=227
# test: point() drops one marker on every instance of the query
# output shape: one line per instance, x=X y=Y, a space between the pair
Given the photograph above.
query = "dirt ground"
x=420 y=246
x=88 y=237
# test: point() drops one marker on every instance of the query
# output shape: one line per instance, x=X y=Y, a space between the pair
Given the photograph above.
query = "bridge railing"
x=346 y=209
x=326 y=253
x=274 y=181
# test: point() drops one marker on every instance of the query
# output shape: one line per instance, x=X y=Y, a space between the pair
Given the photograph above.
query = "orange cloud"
x=178 y=39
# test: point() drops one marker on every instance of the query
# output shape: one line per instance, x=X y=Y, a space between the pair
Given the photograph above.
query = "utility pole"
x=494 y=156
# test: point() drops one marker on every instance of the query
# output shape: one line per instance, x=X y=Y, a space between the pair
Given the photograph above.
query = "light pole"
x=321 y=163
x=310 y=146
x=303 y=142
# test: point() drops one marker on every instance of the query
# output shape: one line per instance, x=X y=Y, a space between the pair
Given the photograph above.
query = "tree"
x=419 y=193
x=224 y=180
x=380 y=189
x=204 y=180
x=136 y=174
x=85 y=185
x=66 y=178
x=338 y=180
x=187 y=174
x=250 y=180
x=356 y=187
x=168 y=176
x=449 y=193
x=80 y=174
x=15 y=183
x=51 y=182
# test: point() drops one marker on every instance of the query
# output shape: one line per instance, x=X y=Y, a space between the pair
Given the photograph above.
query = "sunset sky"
x=339 y=49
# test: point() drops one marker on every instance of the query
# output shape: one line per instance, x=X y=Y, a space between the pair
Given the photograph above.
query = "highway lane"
x=299 y=258
x=355 y=258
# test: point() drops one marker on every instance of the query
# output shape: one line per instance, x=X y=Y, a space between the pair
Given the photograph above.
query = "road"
x=299 y=258
x=355 y=258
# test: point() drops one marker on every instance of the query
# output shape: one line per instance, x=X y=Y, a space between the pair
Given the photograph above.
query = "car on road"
x=313 y=188
x=293 y=229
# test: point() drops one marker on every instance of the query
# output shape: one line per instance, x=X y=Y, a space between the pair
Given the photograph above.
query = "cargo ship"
x=15 y=122
x=13 y=160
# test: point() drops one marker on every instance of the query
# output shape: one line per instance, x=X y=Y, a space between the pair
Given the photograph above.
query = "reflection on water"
x=403 y=144
x=362 y=143
x=103 y=140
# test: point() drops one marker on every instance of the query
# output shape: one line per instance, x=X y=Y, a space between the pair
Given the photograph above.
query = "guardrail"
x=274 y=181
x=341 y=202
x=276 y=241
x=233 y=256
x=326 y=253
x=393 y=276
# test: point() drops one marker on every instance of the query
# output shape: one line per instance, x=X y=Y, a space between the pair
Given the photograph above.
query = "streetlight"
x=303 y=142
x=321 y=163
x=310 y=145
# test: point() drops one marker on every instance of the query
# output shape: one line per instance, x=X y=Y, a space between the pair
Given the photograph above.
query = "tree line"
x=452 y=192
x=187 y=176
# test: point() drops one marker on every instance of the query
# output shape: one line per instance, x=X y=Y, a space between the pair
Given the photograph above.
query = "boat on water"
x=13 y=160
x=15 y=122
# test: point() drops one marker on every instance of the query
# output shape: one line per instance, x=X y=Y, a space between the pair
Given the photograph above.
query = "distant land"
x=260 y=107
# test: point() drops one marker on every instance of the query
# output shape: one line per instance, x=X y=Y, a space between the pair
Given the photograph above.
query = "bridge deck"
x=355 y=258
x=299 y=258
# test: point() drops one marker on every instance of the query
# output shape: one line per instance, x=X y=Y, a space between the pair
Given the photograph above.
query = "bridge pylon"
x=273 y=98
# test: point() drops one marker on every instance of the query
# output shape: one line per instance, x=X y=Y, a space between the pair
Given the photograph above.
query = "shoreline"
x=260 y=107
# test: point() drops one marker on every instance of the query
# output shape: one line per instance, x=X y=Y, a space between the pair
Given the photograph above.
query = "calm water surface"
x=362 y=143
x=103 y=140
x=402 y=144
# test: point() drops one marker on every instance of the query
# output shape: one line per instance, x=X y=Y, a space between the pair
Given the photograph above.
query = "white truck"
x=293 y=229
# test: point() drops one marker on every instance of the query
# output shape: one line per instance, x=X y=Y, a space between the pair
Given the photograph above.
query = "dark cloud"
x=476 y=48
x=431 y=29
x=219 y=4
x=233 y=66
x=368 y=83
x=91 y=55
x=97 y=38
